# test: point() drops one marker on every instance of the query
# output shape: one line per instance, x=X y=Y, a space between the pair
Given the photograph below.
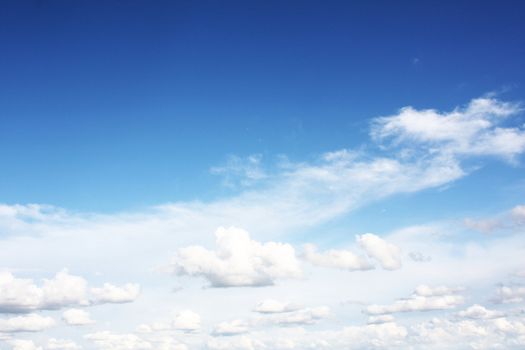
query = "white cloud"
x=388 y=255
x=300 y=317
x=187 y=320
x=238 y=261
x=518 y=214
x=231 y=328
x=62 y=344
x=20 y=344
x=271 y=306
x=380 y=319
x=479 y=312
x=106 y=340
x=339 y=259
x=26 y=323
x=424 y=298
x=22 y=295
x=506 y=294
x=109 y=293
x=77 y=317
x=472 y=130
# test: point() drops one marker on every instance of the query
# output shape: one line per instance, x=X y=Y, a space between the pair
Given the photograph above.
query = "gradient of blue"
x=108 y=105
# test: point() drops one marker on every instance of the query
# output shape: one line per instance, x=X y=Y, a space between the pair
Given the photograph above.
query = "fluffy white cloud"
x=238 y=260
x=479 y=312
x=231 y=328
x=388 y=255
x=109 y=293
x=106 y=340
x=26 y=323
x=333 y=258
x=77 y=317
x=271 y=306
x=187 y=320
x=424 y=298
x=22 y=295
x=472 y=130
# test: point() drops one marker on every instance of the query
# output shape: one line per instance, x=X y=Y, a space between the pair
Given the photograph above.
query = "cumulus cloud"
x=231 y=328
x=238 y=261
x=109 y=293
x=479 y=312
x=388 y=255
x=22 y=295
x=424 y=298
x=271 y=306
x=333 y=258
x=26 y=323
x=77 y=317
x=187 y=320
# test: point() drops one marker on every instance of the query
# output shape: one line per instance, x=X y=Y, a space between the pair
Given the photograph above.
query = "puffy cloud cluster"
x=424 y=298
x=238 y=261
x=386 y=254
x=26 y=323
x=21 y=295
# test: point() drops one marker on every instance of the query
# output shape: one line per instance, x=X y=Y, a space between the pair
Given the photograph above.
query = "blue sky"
x=110 y=105
x=250 y=175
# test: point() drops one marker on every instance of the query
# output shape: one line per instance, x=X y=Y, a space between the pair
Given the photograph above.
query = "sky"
x=249 y=175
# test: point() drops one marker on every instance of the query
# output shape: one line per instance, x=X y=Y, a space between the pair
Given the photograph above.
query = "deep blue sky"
x=108 y=105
